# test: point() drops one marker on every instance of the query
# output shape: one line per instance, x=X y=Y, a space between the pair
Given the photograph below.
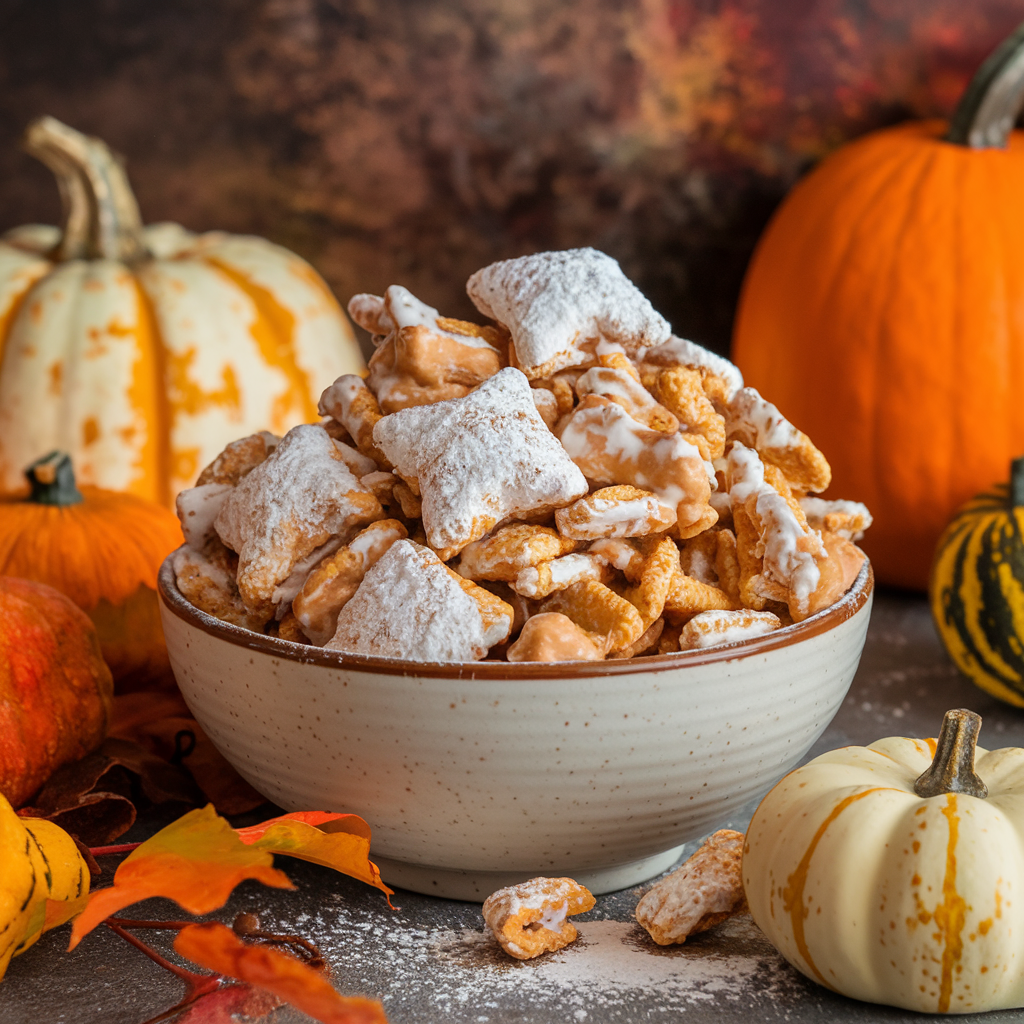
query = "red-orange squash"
x=55 y=690
x=101 y=549
x=883 y=311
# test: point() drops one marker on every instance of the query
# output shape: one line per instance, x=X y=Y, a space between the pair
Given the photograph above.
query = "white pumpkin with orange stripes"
x=142 y=351
x=894 y=873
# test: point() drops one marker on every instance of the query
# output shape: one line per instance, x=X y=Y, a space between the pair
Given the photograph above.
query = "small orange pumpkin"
x=55 y=690
x=882 y=312
x=100 y=548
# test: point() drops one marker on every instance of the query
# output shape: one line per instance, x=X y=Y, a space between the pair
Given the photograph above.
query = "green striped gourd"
x=977 y=588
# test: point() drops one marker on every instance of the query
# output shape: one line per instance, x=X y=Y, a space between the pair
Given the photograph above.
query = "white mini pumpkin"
x=889 y=896
x=143 y=351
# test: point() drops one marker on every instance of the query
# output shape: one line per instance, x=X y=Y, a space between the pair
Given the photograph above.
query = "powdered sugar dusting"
x=559 y=305
x=410 y=606
x=479 y=459
x=612 y=974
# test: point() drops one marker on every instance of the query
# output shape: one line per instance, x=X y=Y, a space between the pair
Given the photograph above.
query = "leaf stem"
x=104 y=851
x=193 y=980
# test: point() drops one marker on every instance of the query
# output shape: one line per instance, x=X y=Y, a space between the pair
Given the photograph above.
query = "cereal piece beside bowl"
x=478 y=775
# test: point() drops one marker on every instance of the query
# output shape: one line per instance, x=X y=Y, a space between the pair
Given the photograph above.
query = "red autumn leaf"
x=216 y=947
x=196 y=861
x=338 y=841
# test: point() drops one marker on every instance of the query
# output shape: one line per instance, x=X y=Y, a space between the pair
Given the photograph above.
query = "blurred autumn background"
x=414 y=141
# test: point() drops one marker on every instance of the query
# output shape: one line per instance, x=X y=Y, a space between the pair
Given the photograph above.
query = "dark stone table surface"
x=430 y=961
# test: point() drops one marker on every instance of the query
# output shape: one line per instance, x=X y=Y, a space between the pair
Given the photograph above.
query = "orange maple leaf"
x=216 y=947
x=338 y=841
x=196 y=861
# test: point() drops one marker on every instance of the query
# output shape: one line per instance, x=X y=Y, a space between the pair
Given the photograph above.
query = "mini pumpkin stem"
x=52 y=479
x=986 y=112
x=952 y=770
x=1017 y=483
x=101 y=216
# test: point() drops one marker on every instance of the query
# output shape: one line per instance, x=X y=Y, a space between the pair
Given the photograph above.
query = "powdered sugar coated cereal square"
x=478 y=460
x=411 y=606
x=559 y=305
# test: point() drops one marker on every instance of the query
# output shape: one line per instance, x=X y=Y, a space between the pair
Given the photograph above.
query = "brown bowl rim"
x=821 y=622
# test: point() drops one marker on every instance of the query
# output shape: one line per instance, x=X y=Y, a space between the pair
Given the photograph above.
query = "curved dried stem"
x=101 y=216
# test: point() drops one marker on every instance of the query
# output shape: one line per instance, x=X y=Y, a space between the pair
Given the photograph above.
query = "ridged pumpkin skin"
x=55 y=690
x=886 y=896
x=103 y=553
x=977 y=593
x=144 y=374
x=882 y=312
x=143 y=351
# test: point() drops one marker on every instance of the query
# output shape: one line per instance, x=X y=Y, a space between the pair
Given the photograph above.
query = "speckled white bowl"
x=475 y=776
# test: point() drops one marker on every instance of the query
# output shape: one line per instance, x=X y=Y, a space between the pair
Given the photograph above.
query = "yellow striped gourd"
x=977 y=588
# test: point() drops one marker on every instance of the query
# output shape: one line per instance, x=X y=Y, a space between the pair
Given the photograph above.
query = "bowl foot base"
x=476 y=886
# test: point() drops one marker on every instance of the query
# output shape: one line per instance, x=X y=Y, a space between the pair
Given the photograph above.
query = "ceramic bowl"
x=474 y=776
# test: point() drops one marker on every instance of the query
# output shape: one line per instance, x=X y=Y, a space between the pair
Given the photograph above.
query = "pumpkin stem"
x=1017 y=483
x=985 y=114
x=952 y=771
x=53 y=481
x=101 y=216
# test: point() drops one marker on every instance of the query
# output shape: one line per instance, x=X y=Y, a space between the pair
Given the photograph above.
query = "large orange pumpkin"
x=55 y=690
x=883 y=311
x=143 y=351
x=103 y=551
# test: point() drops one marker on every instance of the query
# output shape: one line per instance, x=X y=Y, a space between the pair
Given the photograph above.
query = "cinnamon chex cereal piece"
x=778 y=553
x=705 y=891
x=239 y=458
x=624 y=389
x=848 y=519
x=710 y=629
x=349 y=401
x=537 y=581
x=759 y=424
x=427 y=358
x=530 y=918
x=621 y=511
x=612 y=448
x=559 y=305
x=681 y=390
x=506 y=552
x=721 y=378
x=289 y=505
x=552 y=636
x=608 y=619
x=206 y=579
x=197 y=508
x=687 y=596
x=478 y=460
x=657 y=575
x=411 y=606
x=329 y=587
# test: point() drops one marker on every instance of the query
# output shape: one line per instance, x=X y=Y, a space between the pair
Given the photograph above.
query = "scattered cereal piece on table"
x=531 y=918
x=705 y=891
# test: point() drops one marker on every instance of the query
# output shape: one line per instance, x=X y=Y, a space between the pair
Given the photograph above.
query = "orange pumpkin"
x=142 y=351
x=883 y=311
x=55 y=690
x=102 y=550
